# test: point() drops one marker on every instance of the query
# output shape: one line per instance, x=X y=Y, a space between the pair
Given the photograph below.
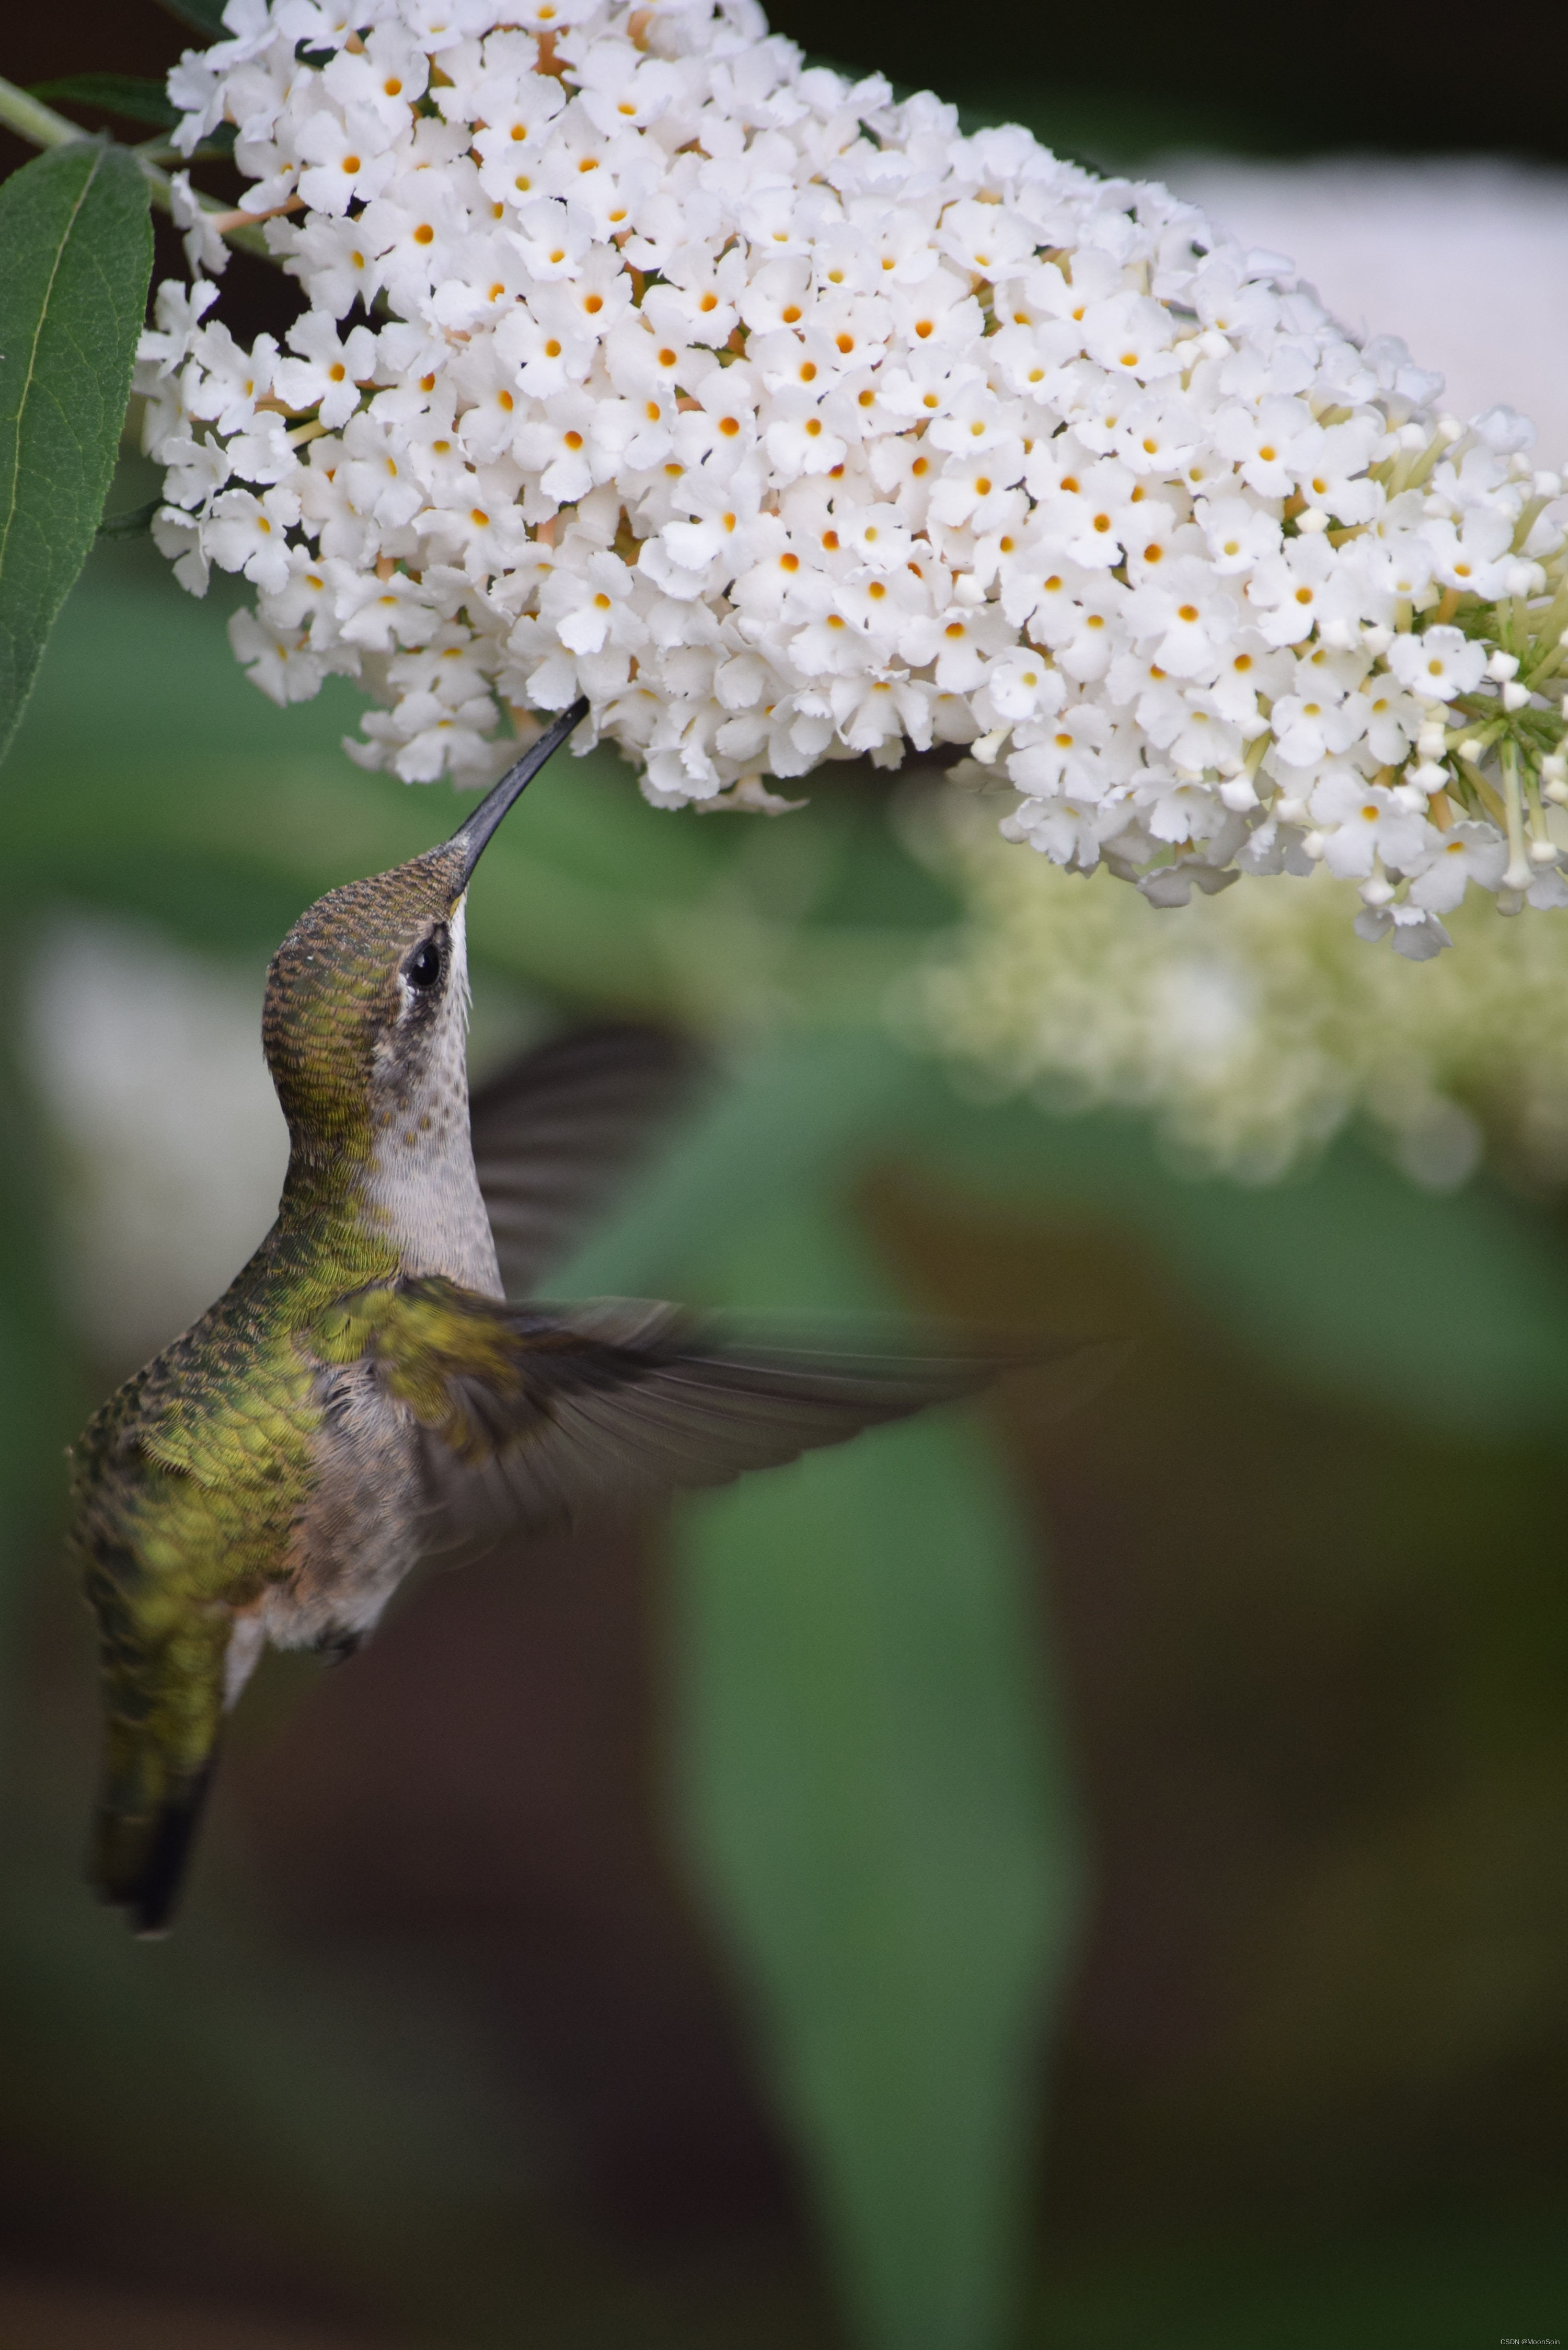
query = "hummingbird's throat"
x=420 y=1190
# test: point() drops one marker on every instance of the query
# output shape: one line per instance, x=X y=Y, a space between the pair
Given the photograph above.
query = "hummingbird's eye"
x=423 y=966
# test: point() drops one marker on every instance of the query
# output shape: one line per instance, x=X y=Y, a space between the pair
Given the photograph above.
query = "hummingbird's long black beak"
x=475 y=831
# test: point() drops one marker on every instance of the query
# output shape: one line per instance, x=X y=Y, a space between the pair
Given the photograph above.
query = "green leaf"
x=1445 y=1309
x=77 y=239
x=218 y=141
x=131 y=95
x=133 y=523
x=1408 y=2283
x=871 y=1782
x=873 y=1790
x=204 y=16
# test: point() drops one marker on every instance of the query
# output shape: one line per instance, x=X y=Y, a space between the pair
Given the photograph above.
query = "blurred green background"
x=1025 y=1879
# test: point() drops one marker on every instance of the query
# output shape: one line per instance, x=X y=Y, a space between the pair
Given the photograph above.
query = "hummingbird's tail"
x=140 y=1858
x=163 y=1710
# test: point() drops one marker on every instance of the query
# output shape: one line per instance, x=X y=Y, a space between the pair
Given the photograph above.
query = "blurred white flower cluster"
x=1252 y=1030
x=643 y=361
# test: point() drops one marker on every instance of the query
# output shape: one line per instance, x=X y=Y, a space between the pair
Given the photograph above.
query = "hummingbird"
x=379 y=1385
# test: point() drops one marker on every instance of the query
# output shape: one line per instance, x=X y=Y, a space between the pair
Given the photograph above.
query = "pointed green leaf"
x=131 y=96
x=204 y=16
x=134 y=524
x=78 y=240
x=877 y=1804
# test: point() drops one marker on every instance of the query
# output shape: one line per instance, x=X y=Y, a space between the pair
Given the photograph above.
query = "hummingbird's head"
x=366 y=998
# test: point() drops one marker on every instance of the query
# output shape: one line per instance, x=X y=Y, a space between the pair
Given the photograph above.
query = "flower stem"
x=32 y=119
x=1519 y=875
x=35 y=121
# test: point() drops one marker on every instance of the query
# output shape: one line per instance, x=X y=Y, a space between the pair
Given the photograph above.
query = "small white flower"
x=251 y=535
x=1271 y=445
x=1237 y=532
x=1188 y=617
x=352 y=156
x=222 y=387
x=1413 y=932
x=1301 y=589
x=386 y=78
x=328 y=371
x=1362 y=822
x=205 y=251
x=284 y=668
x=177 y=537
x=1470 y=852
x=1315 y=724
x=380 y=615
x=1438 y=665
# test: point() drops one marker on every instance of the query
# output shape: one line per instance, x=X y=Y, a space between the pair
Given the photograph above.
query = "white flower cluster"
x=1254 y=1030
x=644 y=363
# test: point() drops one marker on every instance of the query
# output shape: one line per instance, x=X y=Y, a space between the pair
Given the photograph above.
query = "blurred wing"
x=557 y=1130
x=529 y=1417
